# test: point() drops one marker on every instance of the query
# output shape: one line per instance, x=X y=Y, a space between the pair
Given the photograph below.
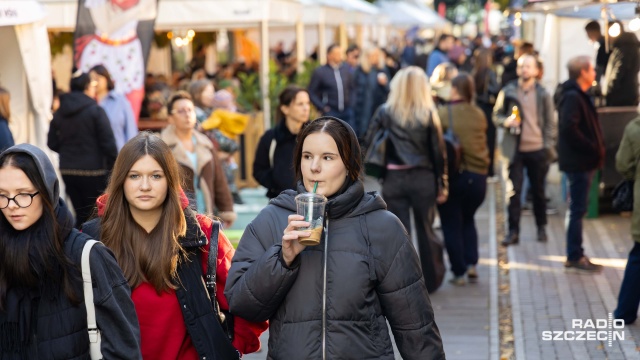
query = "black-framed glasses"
x=23 y=200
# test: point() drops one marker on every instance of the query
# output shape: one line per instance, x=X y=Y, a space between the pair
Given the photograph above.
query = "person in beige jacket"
x=203 y=178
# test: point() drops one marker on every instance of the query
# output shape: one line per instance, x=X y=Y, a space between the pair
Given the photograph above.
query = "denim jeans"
x=629 y=297
x=458 y=223
x=579 y=184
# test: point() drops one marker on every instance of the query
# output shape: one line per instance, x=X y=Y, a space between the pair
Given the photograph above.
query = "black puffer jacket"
x=81 y=133
x=334 y=299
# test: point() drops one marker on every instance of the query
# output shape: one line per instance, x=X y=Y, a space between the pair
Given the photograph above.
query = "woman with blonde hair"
x=415 y=177
x=6 y=139
x=371 y=88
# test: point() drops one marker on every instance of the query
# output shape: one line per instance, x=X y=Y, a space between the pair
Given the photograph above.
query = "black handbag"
x=622 y=196
x=223 y=328
x=375 y=159
x=454 y=149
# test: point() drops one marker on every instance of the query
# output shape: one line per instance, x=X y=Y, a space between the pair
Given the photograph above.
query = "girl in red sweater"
x=145 y=219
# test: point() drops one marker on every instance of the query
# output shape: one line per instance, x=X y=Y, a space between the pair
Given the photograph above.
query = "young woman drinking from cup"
x=333 y=300
x=162 y=246
x=42 y=309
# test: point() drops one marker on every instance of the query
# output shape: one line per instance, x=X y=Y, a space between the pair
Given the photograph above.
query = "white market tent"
x=404 y=14
x=25 y=69
x=205 y=15
x=557 y=29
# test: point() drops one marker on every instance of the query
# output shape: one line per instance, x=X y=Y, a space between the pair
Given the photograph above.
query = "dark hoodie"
x=334 y=300
x=81 y=133
x=61 y=327
x=279 y=175
x=580 y=143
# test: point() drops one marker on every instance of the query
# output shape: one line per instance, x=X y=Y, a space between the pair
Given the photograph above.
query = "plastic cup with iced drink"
x=311 y=206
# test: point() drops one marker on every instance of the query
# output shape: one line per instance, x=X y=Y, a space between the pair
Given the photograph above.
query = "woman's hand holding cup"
x=291 y=247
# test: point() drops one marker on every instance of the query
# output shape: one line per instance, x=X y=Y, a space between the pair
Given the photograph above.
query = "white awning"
x=216 y=14
x=408 y=15
x=200 y=15
x=328 y=12
x=621 y=11
x=18 y=12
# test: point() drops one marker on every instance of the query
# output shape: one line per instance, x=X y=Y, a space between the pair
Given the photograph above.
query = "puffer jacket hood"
x=45 y=167
x=353 y=202
x=73 y=103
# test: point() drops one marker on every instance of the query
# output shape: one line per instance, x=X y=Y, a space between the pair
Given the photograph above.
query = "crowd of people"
x=168 y=284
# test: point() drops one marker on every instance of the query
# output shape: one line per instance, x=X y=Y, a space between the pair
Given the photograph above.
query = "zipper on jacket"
x=324 y=293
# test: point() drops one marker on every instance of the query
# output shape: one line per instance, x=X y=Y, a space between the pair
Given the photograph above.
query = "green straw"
x=315 y=187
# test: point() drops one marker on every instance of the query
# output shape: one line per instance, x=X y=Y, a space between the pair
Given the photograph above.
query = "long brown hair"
x=144 y=257
x=5 y=106
x=483 y=63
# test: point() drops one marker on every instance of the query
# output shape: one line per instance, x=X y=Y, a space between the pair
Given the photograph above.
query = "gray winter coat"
x=335 y=306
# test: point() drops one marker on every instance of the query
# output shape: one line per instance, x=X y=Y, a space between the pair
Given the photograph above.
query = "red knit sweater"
x=162 y=329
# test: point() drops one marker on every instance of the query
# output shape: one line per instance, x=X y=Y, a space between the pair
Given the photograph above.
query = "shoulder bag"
x=375 y=159
x=622 y=196
x=87 y=286
x=223 y=328
x=454 y=149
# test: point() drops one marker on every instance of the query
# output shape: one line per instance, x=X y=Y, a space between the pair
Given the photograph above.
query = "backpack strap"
x=211 y=261
x=272 y=151
x=87 y=285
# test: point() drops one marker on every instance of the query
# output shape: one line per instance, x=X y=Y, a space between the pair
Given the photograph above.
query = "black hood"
x=74 y=102
x=353 y=202
x=45 y=167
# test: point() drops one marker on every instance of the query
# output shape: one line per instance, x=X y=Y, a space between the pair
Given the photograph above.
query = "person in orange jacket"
x=162 y=246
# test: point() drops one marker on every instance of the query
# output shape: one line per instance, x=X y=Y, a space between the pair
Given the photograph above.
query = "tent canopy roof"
x=19 y=12
x=407 y=14
x=621 y=10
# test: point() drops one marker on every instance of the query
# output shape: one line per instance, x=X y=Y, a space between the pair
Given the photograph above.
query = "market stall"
x=25 y=69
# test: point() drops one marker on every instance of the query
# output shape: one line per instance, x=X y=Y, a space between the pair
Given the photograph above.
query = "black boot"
x=542 y=234
x=512 y=239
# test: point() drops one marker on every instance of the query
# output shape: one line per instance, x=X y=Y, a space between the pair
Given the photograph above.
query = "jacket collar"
x=203 y=149
x=340 y=205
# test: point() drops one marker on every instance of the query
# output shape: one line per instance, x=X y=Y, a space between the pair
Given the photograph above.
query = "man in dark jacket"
x=622 y=71
x=531 y=146
x=580 y=153
x=330 y=87
x=602 y=57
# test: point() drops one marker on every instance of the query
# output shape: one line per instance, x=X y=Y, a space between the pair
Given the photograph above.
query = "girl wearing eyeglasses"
x=42 y=312
x=162 y=246
x=205 y=183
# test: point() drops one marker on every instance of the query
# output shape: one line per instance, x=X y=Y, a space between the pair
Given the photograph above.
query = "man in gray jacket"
x=529 y=142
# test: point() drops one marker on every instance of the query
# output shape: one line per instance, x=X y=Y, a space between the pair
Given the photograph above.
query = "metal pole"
x=264 y=73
